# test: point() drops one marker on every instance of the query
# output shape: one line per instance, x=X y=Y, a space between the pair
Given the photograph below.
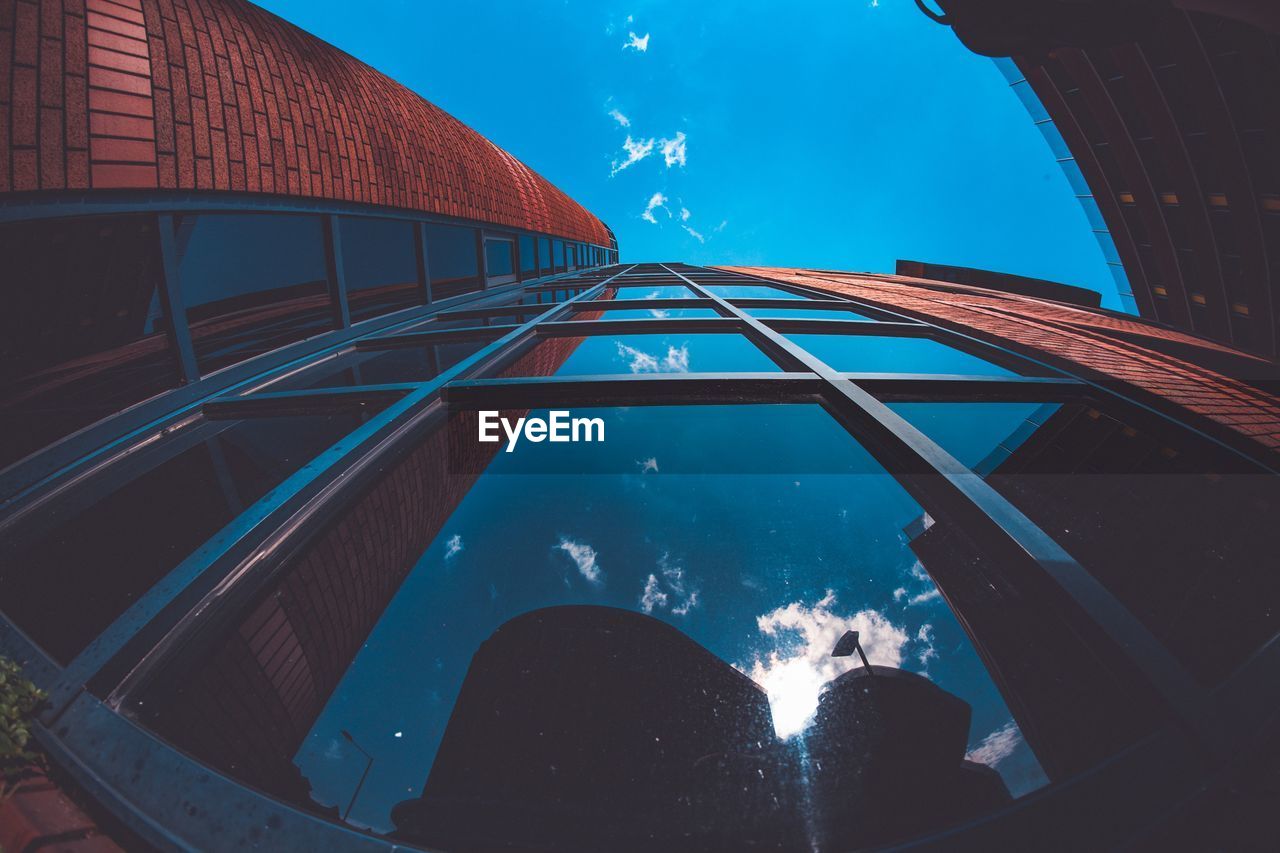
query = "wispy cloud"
x=453 y=546
x=928 y=594
x=798 y=664
x=616 y=115
x=638 y=361
x=584 y=557
x=647 y=465
x=657 y=201
x=674 y=149
x=924 y=640
x=637 y=150
x=685 y=214
x=669 y=589
x=637 y=43
x=694 y=234
x=997 y=746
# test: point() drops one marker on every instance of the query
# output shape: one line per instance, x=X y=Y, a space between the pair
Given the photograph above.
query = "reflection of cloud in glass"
x=794 y=672
x=672 y=590
x=638 y=361
x=647 y=465
x=584 y=557
x=453 y=546
x=997 y=746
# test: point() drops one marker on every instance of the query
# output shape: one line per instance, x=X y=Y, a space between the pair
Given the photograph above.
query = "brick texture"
x=38 y=816
x=1075 y=338
x=221 y=95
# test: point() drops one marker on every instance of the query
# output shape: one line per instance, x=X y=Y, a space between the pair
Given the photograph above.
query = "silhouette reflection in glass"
x=585 y=727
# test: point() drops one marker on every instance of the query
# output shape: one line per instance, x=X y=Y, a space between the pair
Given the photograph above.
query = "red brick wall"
x=1073 y=337
x=221 y=95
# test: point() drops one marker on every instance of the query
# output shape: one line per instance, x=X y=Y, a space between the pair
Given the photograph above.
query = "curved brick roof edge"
x=222 y=95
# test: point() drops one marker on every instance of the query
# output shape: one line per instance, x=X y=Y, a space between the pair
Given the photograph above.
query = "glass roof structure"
x=317 y=599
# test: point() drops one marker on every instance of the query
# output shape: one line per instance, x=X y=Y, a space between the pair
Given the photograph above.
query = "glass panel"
x=528 y=654
x=451 y=253
x=528 y=258
x=557 y=254
x=808 y=314
x=499 y=260
x=74 y=568
x=661 y=291
x=371 y=367
x=751 y=291
x=886 y=354
x=83 y=333
x=646 y=314
x=379 y=263
x=544 y=255
x=605 y=354
x=1166 y=521
x=252 y=283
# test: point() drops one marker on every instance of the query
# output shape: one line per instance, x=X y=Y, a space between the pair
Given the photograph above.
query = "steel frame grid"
x=136 y=645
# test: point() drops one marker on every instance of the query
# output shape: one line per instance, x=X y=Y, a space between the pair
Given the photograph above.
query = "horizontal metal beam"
x=658 y=304
x=657 y=325
x=933 y=387
x=523 y=309
x=306 y=401
x=442 y=336
x=631 y=390
x=802 y=326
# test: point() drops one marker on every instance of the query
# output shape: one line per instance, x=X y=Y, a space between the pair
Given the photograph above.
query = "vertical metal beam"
x=482 y=263
x=175 y=307
x=980 y=502
x=424 y=260
x=336 y=274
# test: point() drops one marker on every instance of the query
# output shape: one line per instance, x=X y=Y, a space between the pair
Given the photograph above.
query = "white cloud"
x=675 y=361
x=694 y=234
x=926 y=652
x=584 y=557
x=631 y=19
x=931 y=594
x=653 y=596
x=656 y=201
x=685 y=214
x=453 y=546
x=997 y=746
x=647 y=465
x=639 y=44
x=670 y=590
x=799 y=665
x=721 y=226
x=673 y=150
x=637 y=150
x=616 y=115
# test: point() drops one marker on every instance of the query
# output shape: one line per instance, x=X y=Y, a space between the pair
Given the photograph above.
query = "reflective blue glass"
x=886 y=354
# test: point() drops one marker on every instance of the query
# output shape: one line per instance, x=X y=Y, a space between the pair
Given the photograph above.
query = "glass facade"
x=453 y=260
x=499 y=258
x=271 y=290
x=84 y=331
x=770 y=604
x=380 y=266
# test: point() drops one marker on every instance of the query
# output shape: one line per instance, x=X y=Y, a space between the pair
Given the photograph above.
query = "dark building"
x=1163 y=116
x=252 y=548
x=592 y=728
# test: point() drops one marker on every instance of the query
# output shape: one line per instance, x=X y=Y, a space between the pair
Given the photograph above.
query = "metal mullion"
x=270 y=403
x=416 y=339
x=237 y=549
x=814 y=326
x=496 y=310
x=623 y=304
x=656 y=325
x=631 y=389
x=926 y=387
x=934 y=475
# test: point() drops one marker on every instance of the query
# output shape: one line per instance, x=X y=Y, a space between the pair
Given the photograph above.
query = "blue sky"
x=826 y=134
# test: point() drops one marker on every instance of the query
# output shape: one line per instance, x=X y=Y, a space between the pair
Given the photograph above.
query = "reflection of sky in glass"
x=663 y=291
x=884 y=354
x=751 y=291
x=765 y=568
x=696 y=353
x=649 y=314
x=808 y=314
